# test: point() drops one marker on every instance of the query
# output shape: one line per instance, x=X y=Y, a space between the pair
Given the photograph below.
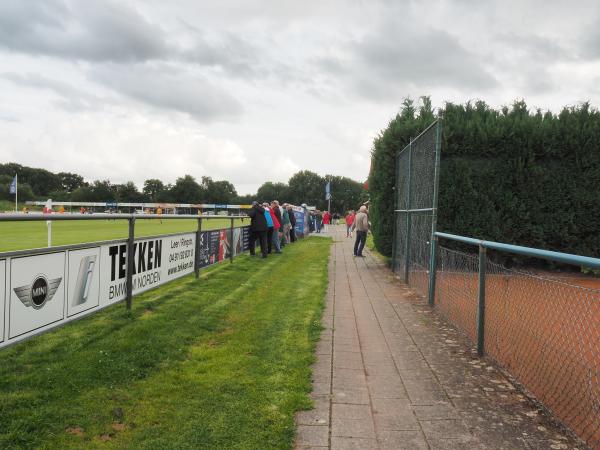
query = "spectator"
x=279 y=229
x=349 y=222
x=361 y=225
x=258 y=229
x=318 y=221
x=292 y=223
x=270 y=224
x=326 y=220
x=287 y=225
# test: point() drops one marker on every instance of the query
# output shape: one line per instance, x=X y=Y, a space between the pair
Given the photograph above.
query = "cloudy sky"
x=251 y=91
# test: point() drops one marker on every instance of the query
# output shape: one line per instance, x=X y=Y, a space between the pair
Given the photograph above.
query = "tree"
x=222 y=192
x=128 y=193
x=186 y=190
x=70 y=181
x=307 y=187
x=103 y=191
x=272 y=191
x=346 y=194
x=153 y=188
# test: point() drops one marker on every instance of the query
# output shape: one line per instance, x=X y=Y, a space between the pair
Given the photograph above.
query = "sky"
x=252 y=91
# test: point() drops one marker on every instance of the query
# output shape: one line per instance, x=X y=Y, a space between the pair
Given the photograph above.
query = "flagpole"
x=16 y=191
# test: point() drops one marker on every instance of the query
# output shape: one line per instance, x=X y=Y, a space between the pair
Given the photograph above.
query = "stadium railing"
x=544 y=329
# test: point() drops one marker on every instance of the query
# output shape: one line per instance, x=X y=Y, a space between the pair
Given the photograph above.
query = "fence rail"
x=43 y=288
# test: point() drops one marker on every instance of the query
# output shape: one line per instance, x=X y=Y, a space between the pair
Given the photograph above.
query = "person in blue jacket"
x=269 y=227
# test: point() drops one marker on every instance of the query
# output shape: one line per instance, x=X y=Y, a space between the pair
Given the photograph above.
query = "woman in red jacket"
x=326 y=220
x=349 y=222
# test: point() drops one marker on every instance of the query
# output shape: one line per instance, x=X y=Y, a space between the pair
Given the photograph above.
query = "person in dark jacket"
x=293 y=222
x=258 y=229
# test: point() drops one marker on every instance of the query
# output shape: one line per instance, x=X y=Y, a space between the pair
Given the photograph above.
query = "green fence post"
x=432 y=270
x=197 y=258
x=481 y=302
x=436 y=188
x=130 y=262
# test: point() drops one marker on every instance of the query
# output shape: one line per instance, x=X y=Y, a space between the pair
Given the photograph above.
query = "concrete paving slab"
x=393 y=374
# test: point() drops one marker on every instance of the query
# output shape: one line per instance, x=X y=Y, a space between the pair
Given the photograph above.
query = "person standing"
x=292 y=223
x=287 y=224
x=349 y=222
x=318 y=221
x=278 y=233
x=326 y=220
x=258 y=229
x=361 y=225
x=269 y=220
x=276 y=217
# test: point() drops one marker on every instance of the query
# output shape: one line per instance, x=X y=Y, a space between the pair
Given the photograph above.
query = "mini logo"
x=38 y=293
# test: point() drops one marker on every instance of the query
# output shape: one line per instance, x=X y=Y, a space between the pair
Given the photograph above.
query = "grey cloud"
x=4 y=117
x=91 y=31
x=166 y=87
x=230 y=52
x=424 y=56
x=70 y=98
x=535 y=47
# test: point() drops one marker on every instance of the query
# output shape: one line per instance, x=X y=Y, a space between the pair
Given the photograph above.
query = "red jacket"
x=349 y=219
x=326 y=218
x=276 y=223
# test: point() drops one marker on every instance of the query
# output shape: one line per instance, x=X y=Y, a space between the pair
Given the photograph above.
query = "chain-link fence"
x=416 y=204
x=545 y=331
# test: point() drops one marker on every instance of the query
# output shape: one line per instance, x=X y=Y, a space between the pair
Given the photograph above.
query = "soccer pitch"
x=28 y=235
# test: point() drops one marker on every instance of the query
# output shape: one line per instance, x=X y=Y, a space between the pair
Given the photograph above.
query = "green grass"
x=26 y=235
x=371 y=246
x=220 y=363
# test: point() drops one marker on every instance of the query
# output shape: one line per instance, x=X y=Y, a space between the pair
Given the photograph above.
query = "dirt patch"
x=75 y=431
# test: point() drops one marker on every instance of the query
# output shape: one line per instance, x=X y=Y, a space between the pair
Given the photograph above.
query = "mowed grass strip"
x=26 y=235
x=220 y=362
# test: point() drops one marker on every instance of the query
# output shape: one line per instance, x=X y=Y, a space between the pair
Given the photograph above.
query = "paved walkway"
x=390 y=374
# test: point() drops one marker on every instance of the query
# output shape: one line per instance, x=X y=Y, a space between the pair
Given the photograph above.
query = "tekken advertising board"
x=42 y=289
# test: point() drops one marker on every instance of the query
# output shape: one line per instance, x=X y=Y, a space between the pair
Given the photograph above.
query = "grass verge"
x=218 y=363
x=26 y=235
x=371 y=246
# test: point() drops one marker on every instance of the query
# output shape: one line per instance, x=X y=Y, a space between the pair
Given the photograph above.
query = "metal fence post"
x=432 y=270
x=197 y=258
x=436 y=188
x=408 y=218
x=231 y=242
x=130 y=262
x=396 y=206
x=481 y=302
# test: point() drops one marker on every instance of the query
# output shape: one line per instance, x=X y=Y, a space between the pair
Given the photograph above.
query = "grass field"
x=218 y=363
x=26 y=235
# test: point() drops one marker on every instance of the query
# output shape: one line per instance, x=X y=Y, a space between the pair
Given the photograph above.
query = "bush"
x=510 y=175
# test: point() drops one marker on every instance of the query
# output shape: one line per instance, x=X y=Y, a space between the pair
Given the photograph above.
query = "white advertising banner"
x=45 y=290
x=155 y=261
x=37 y=292
x=84 y=280
x=2 y=297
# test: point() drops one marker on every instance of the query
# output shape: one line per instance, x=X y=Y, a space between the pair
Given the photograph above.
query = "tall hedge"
x=512 y=175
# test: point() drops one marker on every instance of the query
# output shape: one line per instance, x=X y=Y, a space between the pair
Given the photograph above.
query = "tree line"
x=514 y=175
x=303 y=187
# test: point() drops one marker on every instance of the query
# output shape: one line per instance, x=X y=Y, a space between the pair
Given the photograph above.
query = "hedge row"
x=512 y=175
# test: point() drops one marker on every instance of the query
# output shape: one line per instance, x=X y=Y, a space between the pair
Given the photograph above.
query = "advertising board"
x=300 y=228
x=2 y=296
x=42 y=289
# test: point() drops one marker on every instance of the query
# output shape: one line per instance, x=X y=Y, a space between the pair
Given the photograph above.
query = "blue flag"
x=328 y=190
x=13 y=186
